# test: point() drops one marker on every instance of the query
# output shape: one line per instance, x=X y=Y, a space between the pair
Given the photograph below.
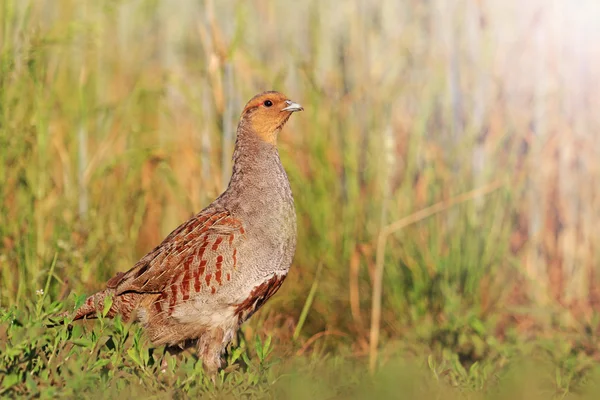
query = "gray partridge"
x=214 y=271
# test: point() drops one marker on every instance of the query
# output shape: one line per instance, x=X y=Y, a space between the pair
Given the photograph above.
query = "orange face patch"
x=266 y=115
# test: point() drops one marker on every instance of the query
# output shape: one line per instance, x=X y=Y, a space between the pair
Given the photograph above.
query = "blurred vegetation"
x=117 y=122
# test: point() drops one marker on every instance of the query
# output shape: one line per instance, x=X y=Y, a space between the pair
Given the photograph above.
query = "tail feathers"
x=88 y=309
x=123 y=305
x=91 y=306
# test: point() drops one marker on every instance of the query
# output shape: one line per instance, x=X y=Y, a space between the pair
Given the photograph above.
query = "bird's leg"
x=210 y=347
x=172 y=351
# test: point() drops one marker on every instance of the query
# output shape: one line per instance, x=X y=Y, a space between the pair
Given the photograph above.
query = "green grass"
x=111 y=134
x=108 y=358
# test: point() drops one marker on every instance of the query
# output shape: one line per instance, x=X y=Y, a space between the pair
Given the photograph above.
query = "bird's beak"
x=291 y=106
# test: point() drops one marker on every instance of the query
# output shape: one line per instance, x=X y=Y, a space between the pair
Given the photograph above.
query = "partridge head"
x=267 y=113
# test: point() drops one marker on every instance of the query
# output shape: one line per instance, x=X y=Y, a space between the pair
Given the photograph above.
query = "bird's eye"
x=268 y=103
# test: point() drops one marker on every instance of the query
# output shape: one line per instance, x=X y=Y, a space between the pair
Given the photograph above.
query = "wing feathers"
x=201 y=244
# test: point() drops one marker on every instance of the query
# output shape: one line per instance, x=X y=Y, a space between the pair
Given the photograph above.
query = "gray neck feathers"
x=259 y=184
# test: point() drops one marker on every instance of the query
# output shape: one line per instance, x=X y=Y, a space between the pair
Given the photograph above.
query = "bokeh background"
x=118 y=118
